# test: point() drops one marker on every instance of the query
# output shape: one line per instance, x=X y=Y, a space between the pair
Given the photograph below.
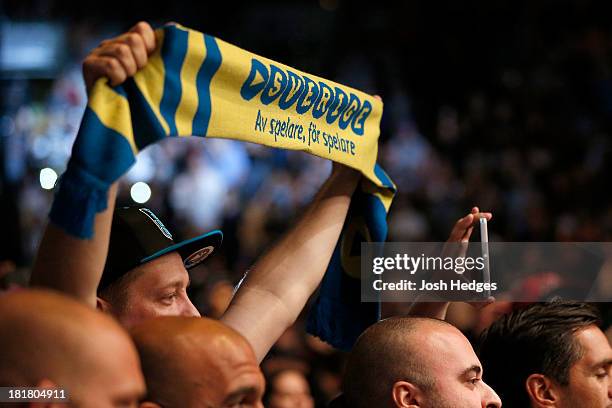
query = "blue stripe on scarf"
x=173 y=54
x=376 y=218
x=384 y=178
x=84 y=187
x=147 y=128
x=109 y=163
x=120 y=90
x=210 y=65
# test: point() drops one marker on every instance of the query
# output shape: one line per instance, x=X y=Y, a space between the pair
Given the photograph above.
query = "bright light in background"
x=140 y=192
x=48 y=177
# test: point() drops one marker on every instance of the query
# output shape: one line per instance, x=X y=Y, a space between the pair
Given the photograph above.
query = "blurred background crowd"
x=506 y=105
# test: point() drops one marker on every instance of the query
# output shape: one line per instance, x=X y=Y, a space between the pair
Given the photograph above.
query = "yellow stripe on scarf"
x=196 y=52
x=150 y=79
x=113 y=111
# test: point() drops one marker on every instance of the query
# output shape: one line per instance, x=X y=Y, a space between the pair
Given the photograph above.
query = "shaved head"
x=401 y=361
x=47 y=337
x=191 y=361
x=388 y=351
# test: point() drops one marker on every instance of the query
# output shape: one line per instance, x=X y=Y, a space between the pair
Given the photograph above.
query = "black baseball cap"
x=138 y=236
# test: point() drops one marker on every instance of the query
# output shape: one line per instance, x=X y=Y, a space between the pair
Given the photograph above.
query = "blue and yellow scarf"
x=195 y=84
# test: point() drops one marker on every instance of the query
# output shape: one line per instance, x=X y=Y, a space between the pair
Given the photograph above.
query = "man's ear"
x=102 y=305
x=541 y=390
x=406 y=395
x=149 y=405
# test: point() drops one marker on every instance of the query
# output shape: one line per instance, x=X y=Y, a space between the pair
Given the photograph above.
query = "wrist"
x=345 y=173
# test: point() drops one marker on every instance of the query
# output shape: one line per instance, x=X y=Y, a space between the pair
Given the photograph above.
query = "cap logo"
x=157 y=222
x=198 y=256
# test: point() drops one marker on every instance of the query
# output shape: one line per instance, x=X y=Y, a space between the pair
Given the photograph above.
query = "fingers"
x=486 y=215
x=478 y=214
x=460 y=228
x=467 y=235
x=95 y=67
x=146 y=32
x=137 y=46
x=121 y=57
x=124 y=55
x=463 y=228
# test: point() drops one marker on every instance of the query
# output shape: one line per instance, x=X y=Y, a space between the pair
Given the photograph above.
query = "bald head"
x=189 y=359
x=401 y=362
x=49 y=337
x=393 y=349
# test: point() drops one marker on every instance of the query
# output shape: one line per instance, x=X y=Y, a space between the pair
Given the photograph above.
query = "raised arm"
x=462 y=231
x=72 y=265
x=276 y=289
x=66 y=263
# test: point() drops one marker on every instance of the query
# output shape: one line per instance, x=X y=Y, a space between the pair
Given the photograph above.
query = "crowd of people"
x=529 y=142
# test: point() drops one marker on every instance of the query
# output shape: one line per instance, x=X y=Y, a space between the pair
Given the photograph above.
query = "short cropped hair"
x=383 y=355
x=116 y=294
x=538 y=339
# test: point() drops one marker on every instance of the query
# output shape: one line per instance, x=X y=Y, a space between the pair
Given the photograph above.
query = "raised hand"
x=121 y=57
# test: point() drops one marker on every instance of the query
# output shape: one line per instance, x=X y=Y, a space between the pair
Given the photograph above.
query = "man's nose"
x=490 y=398
x=190 y=310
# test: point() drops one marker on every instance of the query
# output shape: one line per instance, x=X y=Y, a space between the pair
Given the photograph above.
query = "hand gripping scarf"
x=195 y=84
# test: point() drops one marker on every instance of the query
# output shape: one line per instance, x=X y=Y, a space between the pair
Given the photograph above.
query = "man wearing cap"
x=146 y=274
x=143 y=258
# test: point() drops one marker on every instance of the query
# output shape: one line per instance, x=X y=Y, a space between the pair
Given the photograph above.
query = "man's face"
x=290 y=390
x=159 y=288
x=451 y=361
x=242 y=386
x=198 y=362
x=590 y=384
x=238 y=380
